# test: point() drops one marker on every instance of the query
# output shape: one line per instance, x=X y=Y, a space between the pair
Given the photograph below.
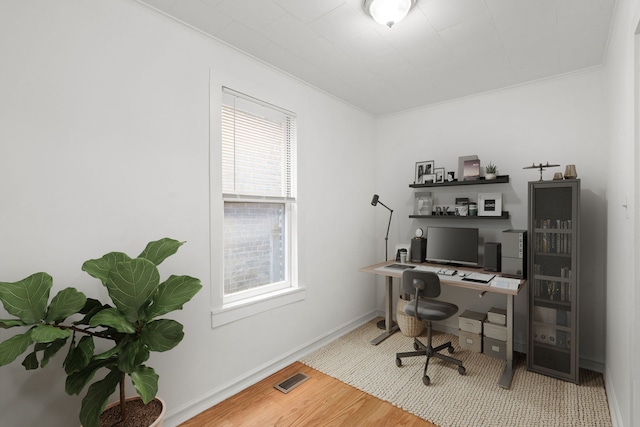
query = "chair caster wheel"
x=416 y=346
x=451 y=349
x=426 y=380
x=462 y=370
x=398 y=362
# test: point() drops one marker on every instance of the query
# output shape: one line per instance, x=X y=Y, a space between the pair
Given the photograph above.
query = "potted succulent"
x=490 y=171
x=131 y=324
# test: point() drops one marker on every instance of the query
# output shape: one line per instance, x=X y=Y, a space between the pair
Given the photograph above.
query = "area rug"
x=454 y=400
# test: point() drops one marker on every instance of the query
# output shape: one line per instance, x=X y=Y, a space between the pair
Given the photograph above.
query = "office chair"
x=424 y=285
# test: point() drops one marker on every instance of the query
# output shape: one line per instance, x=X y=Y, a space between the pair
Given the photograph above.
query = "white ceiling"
x=444 y=49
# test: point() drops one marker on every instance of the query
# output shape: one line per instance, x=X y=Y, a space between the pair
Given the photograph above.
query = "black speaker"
x=418 y=249
x=492 y=256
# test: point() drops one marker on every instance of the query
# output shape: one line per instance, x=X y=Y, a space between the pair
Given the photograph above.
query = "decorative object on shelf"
x=471 y=170
x=473 y=209
x=490 y=171
x=489 y=204
x=541 y=167
x=439 y=172
x=462 y=206
x=423 y=203
x=461 y=161
x=422 y=170
x=431 y=178
x=557 y=176
x=570 y=172
x=451 y=176
x=374 y=202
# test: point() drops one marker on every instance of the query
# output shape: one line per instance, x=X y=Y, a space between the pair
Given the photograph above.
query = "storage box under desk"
x=471 y=321
x=497 y=332
x=470 y=341
x=497 y=316
x=495 y=348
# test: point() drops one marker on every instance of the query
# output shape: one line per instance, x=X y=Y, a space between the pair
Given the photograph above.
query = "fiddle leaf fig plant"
x=131 y=324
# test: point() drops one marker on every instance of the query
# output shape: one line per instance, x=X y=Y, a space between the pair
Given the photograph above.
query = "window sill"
x=239 y=310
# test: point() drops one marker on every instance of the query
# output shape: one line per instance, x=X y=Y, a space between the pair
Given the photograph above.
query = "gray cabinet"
x=554 y=242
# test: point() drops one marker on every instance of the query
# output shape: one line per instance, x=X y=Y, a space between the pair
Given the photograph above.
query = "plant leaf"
x=91 y=307
x=10 y=323
x=51 y=351
x=99 y=268
x=131 y=284
x=95 y=400
x=145 y=381
x=14 y=347
x=31 y=361
x=159 y=250
x=49 y=333
x=76 y=381
x=27 y=299
x=111 y=317
x=80 y=355
x=66 y=303
x=162 y=335
x=172 y=295
x=132 y=355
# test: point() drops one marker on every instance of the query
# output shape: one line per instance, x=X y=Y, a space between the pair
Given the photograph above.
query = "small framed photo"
x=422 y=170
x=429 y=178
x=451 y=176
x=439 y=172
x=489 y=204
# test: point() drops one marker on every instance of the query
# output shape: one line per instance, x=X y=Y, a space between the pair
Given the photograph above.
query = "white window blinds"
x=258 y=148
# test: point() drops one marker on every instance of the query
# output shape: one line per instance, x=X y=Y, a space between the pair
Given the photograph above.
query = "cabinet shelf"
x=543 y=302
x=500 y=179
x=505 y=215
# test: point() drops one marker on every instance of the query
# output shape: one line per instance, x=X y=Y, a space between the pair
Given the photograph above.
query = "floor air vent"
x=292 y=382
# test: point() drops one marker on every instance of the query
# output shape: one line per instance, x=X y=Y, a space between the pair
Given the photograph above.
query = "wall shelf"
x=500 y=179
x=505 y=215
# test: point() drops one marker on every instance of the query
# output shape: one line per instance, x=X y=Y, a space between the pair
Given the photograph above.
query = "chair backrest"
x=424 y=284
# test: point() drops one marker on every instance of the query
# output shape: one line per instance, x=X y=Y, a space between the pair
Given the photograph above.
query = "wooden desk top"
x=447 y=280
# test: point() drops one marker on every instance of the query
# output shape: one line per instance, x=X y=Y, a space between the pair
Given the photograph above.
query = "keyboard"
x=440 y=271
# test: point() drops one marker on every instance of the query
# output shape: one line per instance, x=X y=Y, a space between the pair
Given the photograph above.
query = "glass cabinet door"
x=553 y=278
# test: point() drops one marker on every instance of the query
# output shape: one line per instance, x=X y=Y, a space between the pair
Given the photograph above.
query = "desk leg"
x=507 y=374
x=390 y=328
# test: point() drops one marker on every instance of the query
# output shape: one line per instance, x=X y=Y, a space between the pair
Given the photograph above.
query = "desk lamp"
x=374 y=202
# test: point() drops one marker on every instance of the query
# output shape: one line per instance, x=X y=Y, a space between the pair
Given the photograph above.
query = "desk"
x=507 y=374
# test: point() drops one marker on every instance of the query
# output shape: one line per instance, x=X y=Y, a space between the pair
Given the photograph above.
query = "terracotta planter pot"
x=157 y=422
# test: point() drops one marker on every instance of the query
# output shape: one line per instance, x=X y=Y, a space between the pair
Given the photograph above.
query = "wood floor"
x=319 y=401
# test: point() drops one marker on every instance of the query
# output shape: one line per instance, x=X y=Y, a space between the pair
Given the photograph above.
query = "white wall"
x=622 y=321
x=104 y=145
x=561 y=121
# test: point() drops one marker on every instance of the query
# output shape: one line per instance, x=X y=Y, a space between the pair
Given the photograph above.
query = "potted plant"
x=131 y=324
x=490 y=171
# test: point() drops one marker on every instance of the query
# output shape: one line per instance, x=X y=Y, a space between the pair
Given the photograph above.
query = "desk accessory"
x=374 y=202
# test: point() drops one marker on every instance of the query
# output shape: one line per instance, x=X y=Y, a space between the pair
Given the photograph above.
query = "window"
x=259 y=190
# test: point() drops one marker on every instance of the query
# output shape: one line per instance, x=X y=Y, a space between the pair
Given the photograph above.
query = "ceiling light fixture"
x=388 y=12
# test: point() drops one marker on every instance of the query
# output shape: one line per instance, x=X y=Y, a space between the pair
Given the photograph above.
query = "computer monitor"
x=449 y=245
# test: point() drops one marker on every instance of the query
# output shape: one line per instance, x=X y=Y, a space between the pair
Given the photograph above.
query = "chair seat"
x=431 y=309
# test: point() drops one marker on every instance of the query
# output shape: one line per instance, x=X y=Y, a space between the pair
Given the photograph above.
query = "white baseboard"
x=616 y=417
x=176 y=416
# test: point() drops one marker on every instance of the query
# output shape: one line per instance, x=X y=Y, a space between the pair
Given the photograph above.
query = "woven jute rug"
x=453 y=400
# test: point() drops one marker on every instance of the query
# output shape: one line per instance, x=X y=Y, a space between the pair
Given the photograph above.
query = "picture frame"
x=451 y=176
x=429 y=178
x=439 y=172
x=423 y=203
x=471 y=170
x=489 y=204
x=423 y=169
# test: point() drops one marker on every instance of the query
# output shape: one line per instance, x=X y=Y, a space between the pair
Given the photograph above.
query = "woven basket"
x=409 y=325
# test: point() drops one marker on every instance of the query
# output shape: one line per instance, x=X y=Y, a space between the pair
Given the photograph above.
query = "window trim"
x=225 y=312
